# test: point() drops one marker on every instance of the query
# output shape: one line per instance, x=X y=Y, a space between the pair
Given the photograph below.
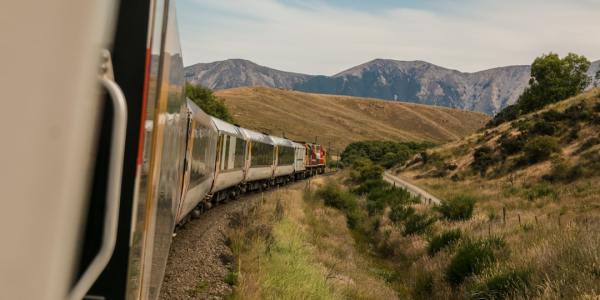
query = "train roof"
x=282 y=141
x=228 y=128
x=256 y=136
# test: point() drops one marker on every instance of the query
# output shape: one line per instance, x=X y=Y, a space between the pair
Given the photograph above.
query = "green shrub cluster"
x=423 y=286
x=552 y=79
x=418 y=223
x=459 y=208
x=383 y=153
x=483 y=158
x=503 y=285
x=470 y=259
x=438 y=242
x=540 y=148
x=208 y=102
x=334 y=196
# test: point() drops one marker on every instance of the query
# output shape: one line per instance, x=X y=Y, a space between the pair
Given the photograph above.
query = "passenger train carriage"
x=116 y=154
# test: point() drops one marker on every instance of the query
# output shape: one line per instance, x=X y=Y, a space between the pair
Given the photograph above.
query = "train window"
x=198 y=168
x=285 y=156
x=240 y=151
x=225 y=142
x=262 y=154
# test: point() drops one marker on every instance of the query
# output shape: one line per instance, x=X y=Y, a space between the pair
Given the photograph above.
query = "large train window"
x=262 y=154
x=240 y=151
x=285 y=156
x=198 y=168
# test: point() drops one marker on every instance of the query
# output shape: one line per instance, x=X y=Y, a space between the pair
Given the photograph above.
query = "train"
x=103 y=155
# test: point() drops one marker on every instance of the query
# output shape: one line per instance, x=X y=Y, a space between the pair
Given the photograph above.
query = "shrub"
x=370 y=172
x=562 y=172
x=385 y=153
x=540 y=148
x=552 y=116
x=443 y=240
x=208 y=102
x=502 y=285
x=399 y=213
x=370 y=185
x=379 y=198
x=510 y=145
x=543 y=127
x=577 y=112
x=423 y=286
x=333 y=196
x=483 y=158
x=417 y=223
x=458 y=208
x=509 y=113
x=471 y=258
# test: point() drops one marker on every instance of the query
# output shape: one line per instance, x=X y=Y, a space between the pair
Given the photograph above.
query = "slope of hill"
x=239 y=72
x=534 y=183
x=342 y=119
x=486 y=91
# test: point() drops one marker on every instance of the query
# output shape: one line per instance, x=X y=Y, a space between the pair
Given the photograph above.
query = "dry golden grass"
x=344 y=119
x=550 y=229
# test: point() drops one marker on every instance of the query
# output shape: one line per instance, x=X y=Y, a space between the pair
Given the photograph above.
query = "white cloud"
x=468 y=36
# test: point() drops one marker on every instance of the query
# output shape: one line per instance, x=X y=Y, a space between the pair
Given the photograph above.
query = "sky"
x=325 y=37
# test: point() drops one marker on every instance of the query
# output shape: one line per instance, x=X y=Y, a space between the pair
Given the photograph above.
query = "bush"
x=471 y=258
x=399 y=213
x=540 y=148
x=552 y=115
x=510 y=145
x=483 y=158
x=502 y=285
x=208 y=102
x=417 y=223
x=423 y=286
x=379 y=198
x=562 y=172
x=443 y=240
x=543 y=127
x=458 y=208
x=370 y=172
x=333 y=196
x=370 y=185
x=509 y=113
x=384 y=153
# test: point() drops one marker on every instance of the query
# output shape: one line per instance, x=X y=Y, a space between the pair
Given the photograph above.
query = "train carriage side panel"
x=201 y=159
x=231 y=155
x=299 y=157
x=284 y=161
x=260 y=158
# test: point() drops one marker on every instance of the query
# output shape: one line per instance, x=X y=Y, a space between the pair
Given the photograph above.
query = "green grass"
x=289 y=272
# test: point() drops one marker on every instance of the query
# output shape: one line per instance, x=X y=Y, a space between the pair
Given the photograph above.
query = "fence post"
x=504 y=215
x=519 y=215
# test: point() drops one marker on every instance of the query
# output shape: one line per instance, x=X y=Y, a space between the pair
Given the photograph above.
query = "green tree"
x=554 y=79
x=208 y=102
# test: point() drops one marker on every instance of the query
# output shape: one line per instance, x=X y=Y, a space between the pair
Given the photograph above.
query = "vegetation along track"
x=200 y=261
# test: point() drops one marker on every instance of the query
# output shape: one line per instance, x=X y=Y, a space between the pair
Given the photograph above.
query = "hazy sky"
x=329 y=36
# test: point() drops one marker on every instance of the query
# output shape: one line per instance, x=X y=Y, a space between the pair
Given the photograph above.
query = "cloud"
x=325 y=37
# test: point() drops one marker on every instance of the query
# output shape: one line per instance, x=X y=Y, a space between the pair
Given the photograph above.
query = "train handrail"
x=115 y=171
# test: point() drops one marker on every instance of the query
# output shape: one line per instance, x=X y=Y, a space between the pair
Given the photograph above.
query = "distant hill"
x=409 y=81
x=239 y=72
x=343 y=119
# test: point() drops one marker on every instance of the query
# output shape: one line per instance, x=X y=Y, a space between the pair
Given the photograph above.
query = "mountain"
x=239 y=72
x=487 y=91
x=344 y=119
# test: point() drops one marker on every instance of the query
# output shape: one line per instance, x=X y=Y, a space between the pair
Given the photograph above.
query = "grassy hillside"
x=535 y=184
x=342 y=119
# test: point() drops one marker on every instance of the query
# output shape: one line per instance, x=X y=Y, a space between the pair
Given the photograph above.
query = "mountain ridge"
x=487 y=91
